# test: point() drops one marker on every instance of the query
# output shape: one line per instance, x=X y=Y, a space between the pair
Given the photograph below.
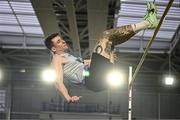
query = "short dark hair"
x=48 y=41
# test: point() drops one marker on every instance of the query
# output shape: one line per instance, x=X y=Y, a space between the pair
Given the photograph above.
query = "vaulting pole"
x=132 y=78
x=151 y=40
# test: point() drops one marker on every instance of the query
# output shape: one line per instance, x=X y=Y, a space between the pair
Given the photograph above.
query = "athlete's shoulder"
x=59 y=59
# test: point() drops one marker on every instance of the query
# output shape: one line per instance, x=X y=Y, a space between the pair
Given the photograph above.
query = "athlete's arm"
x=57 y=63
x=113 y=57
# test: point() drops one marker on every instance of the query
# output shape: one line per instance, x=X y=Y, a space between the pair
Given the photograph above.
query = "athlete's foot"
x=150 y=7
x=151 y=15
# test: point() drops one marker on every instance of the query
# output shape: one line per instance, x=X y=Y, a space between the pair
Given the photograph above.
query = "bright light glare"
x=49 y=75
x=115 y=78
x=0 y=74
x=22 y=70
x=169 y=80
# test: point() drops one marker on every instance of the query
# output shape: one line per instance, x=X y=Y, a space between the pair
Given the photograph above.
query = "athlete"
x=70 y=69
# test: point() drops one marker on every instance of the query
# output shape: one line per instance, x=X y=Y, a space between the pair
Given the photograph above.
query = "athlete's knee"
x=104 y=48
x=100 y=45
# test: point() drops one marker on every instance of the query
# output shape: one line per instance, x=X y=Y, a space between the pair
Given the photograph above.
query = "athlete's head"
x=55 y=43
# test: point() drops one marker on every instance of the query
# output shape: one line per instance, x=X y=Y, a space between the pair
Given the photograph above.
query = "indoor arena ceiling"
x=25 y=23
x=20 y=28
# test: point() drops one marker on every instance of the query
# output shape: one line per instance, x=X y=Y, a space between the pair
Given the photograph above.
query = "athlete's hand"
x=87 y=61
x=113 y=57
x=75 y=99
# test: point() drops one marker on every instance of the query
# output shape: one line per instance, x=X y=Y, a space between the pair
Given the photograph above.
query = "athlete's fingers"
x=75 y=98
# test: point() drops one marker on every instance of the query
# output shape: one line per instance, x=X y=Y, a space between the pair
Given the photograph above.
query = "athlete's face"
x=59 y=44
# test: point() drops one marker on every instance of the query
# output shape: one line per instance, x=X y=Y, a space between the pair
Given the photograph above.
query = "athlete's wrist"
x=68 y=98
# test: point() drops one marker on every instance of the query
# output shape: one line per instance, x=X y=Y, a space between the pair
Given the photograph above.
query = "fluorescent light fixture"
x=22 y=70
x=169 y=80
x=49 y=75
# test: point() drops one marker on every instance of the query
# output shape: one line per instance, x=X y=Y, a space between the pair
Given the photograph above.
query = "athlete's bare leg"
x=122 y=34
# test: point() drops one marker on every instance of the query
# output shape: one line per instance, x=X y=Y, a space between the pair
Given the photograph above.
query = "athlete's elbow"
x=58 y=83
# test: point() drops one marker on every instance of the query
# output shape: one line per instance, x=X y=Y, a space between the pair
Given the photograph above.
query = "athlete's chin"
x=66 y=48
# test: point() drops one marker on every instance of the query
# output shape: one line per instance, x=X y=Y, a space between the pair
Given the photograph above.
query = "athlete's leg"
x=102 y=53
x=121 y=34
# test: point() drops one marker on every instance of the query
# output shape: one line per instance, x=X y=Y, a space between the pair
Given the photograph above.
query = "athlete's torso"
x=72 y=68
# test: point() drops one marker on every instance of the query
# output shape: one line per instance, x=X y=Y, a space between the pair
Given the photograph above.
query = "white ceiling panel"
x=18 y=23
x=22 y=7
x=28 y=20
x=18 y=16
x=32 y=30
x=10 y=28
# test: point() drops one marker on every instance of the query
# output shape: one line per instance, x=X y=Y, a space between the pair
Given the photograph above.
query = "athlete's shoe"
x=151 y=15
x=150 y=7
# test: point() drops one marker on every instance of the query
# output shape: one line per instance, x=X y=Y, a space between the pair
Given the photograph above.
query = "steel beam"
x=70 y=10
x=46 y=16
x=97 y=20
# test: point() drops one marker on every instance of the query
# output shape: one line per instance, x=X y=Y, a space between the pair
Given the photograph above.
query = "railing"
x=78 y=107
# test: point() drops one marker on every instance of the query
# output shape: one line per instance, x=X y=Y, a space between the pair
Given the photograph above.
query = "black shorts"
x=99 y=68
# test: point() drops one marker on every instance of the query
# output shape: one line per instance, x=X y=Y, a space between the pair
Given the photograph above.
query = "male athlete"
x=70 y=69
